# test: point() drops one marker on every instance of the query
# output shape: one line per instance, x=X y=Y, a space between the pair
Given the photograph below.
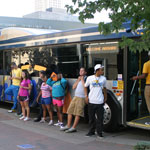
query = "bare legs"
x=76 y=121
x=59 y=113
x=48 y=108
x=25 y=108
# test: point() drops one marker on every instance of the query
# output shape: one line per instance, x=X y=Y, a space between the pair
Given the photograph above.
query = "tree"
x=120 y=11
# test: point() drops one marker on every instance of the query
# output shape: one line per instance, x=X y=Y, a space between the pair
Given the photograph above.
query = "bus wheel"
x=107 y=114
x=110 y=116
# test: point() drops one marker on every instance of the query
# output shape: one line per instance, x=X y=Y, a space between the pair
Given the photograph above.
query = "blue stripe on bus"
x=12 y=46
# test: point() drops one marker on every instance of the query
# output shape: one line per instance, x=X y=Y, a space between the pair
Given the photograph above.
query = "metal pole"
x=134 y=84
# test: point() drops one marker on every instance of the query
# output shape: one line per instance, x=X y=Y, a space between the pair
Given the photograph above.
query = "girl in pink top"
x=23 y=95
x=46 y=100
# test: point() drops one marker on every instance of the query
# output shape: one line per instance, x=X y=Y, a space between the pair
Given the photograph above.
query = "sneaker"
x=57 y=124
x=64 y=128
x=20 y=115
x=61 y=125
x=42 y=120
x=147 y=123
x=37 y=119
x=26 y=119
x=21 y=118
x=90 y=134
x=71 y=130
x=100 y=136
x=11 y=111
x=50 y=122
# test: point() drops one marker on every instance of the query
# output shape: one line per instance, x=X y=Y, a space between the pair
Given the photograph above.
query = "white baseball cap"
x=98 y=66
x=149 y=53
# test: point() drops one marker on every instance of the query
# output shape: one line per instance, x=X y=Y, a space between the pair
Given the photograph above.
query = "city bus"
x=72 y=49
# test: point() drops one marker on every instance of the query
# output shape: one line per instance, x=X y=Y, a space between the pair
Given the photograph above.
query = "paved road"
x=15 y=132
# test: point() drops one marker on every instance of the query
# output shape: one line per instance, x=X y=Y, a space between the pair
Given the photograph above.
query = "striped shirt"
x=46 y=90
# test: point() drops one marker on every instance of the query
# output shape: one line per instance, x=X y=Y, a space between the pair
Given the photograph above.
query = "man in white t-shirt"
x=96 y=100
x=76 y=107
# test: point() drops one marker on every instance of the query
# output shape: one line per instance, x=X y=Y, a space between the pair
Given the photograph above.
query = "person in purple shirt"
x=46 y=100
x=23 y=95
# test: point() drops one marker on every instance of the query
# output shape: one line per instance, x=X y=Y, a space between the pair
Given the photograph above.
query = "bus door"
x=111 y=57
x=137 y=114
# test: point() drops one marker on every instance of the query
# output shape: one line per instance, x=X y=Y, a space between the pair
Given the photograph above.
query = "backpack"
x=65 y=88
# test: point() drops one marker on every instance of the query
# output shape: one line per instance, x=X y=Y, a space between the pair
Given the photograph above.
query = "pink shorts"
x=57 y=102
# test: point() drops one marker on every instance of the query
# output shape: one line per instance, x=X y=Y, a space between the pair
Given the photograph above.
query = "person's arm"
x=27 y=88
x=50 y=88
x=76 y=83
x=18 y=78
x=86 y=95
x=10 y=75
x=31 y=86
x=49 y=82
x=37 y=99
x=143 y=76
x=10 y=78
x=144 y=73
x=105 y=94
x=105 y=90
x=87 y=83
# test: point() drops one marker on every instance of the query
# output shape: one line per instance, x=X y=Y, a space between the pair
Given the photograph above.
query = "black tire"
x=111 y=124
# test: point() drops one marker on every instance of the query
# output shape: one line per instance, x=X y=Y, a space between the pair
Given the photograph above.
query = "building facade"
x=53 y=14
x=51 y=10
x=6 y=22
x=42 y=5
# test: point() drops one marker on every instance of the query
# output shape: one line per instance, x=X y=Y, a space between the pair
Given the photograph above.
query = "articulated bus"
x=69 y=50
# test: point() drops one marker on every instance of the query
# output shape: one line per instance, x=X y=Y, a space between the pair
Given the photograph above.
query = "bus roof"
x=63 y=37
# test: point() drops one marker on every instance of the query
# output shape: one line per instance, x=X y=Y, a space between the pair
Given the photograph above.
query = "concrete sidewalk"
x=15 y=132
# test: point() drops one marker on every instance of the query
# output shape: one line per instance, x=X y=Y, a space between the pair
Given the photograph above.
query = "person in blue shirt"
x=58 y=94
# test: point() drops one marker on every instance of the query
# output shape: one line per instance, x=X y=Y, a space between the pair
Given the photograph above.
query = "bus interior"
x=137 y=112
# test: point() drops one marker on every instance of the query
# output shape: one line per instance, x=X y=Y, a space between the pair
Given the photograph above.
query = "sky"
x=18 y=8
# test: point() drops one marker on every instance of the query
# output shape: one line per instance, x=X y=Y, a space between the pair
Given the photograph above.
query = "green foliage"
x=119 y=12
x=142 y=146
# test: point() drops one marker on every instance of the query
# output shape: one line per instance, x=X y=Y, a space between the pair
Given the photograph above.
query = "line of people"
x=53 y=92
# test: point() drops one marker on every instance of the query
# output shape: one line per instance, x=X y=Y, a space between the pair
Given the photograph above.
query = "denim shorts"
x=46 y=101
